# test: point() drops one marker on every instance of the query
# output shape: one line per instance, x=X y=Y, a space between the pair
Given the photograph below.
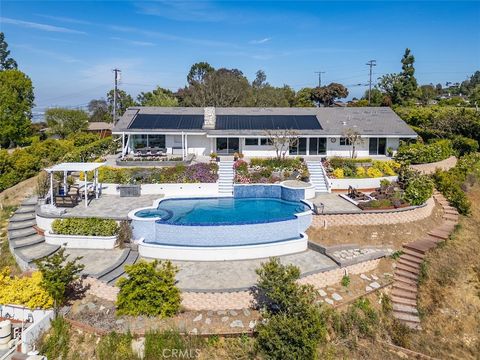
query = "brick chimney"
x=209 y=117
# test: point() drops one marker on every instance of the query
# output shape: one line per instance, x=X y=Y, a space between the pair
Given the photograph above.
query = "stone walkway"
x=430 y=168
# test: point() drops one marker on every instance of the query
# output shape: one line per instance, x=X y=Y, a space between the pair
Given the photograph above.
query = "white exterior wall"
x=335 y=149
x=198 y=145
x=256 y=150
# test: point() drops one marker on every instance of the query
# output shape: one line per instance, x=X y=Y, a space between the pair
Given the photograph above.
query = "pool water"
x=223 y=211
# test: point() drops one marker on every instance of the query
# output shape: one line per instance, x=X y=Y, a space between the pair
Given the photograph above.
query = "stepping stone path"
x=337 y=297
x=322 y=293
x=368 y=288
x=364 y=277
x=236 y=324
x=404 y=293
x=375 y=285
x=329 y=301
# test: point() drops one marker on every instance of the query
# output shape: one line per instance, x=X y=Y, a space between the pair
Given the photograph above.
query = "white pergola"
x=76 y=167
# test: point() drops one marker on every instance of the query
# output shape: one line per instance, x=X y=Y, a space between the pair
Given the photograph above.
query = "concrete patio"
x=334 y=204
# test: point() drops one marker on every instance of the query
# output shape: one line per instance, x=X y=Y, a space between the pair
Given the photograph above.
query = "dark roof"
x=267 y=122
x=167 y=121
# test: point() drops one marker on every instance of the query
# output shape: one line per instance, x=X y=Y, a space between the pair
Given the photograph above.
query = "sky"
x=69 y=48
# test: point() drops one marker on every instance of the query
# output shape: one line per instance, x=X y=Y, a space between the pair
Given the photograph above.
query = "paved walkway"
x=334 y=204
x=221 y=275
x=95 y=261
x=110 y=206
x=430 y=168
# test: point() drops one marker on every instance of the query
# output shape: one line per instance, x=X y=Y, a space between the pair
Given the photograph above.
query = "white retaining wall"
x=366 y=183
x=168 y=189
x=41 y=323
x=81 y=241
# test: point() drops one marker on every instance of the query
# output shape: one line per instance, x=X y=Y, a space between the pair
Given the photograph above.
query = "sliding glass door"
x=377 y=146
x=228 y=146
x=318 y=146
x=299 y=148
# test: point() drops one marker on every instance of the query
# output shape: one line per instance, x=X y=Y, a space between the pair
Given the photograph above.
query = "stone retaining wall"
x=366 y=218
x=215 y=301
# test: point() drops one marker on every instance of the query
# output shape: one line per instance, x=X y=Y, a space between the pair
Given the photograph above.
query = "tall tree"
x=157 y=97
x=16 y=103
x=377 y=98
x=408 y=80
x=98 y=109
x=6 y=62
x=124 y=101
x=198 y=72
x=64 y=122
x=326 y=95
x=390 y=84
x=426 y=93
x=303 y=98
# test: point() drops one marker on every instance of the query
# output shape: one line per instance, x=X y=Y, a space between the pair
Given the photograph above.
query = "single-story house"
x=225 y=131
x=101 y=128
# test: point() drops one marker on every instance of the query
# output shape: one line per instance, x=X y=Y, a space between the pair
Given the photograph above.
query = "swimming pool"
x=223 y=211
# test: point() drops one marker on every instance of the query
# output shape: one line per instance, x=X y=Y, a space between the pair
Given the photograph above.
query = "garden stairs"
x=318 y=176
x=226 y=175
x=404 y=293
x=27 y=244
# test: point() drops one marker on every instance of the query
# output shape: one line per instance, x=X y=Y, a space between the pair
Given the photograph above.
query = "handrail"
x=325 y=177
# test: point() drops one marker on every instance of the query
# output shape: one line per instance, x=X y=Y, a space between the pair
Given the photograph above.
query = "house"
x=101 y=128
x=201 y=131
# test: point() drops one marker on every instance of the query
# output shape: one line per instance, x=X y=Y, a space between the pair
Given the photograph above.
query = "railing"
x=325 y=177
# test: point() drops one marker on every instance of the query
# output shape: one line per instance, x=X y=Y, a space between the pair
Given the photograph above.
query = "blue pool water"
x=219 y=211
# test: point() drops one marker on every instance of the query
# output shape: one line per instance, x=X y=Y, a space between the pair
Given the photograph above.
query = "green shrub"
x=339 y=162
x=359 y=319
x=82 y=139
x=345 y=280
x=92 y=151
x=165 y=344
x=425 y=153
x=115 y=346
x=85 y=226
x=274 y=163
x=149 y=290
x=56 y=343
x=463 y=145
x=418 y=190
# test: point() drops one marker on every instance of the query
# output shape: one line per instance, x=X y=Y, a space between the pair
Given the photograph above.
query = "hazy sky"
x=69 y=48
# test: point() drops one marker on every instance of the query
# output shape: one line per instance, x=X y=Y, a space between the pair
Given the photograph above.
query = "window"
x=377 y=146
x=156 y=141
x=227 y=146
x=265 y=141
x=177 y=139
x=345 y=141
x=139 y=141
x=251 y=141
x=299 y=147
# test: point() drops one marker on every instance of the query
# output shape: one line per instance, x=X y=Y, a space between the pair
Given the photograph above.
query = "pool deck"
x=108 y=207
x=334 y=204
x=240 y=274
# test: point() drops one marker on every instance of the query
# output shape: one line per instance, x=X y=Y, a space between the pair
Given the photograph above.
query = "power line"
x=371 y=63
x=319 y=77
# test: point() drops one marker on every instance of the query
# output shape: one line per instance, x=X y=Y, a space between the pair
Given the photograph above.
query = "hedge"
x=85 y=226
x=419 y=153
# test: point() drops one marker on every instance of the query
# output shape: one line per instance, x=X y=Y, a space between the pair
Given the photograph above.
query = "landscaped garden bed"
x=154 y=161
x=270 y=170
x=83 y=233
x=197 y=173
x=361 y=168
x=420 y=153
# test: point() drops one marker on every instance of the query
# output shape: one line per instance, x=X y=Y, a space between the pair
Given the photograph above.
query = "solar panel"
x=167 y=121
x=267 y=122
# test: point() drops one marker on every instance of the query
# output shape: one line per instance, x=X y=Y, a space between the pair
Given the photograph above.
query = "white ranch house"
x=225 y=131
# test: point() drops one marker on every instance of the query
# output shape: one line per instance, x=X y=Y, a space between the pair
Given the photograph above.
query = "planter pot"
x=81 y=241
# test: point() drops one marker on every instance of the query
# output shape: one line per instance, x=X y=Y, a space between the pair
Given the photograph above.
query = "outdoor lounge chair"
x=66 y=200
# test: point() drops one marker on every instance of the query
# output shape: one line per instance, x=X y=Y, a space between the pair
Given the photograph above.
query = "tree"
x=16 y=103
x=390 y=84
x=124 y=101
x=377 y=98
x=475 y=97
x=60 y=276
x=6 y=62
x=260 y=80
x=326 y=95
x=426 y=93
x=149 y=290
x=408 y=81
x=281 y=140
x=158 y=97
x=98 y=109
x=354 y=138
x=303 y=98
x=64 y=122
x=198 y=73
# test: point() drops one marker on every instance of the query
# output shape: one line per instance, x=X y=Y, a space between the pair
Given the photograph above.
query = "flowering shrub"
x=241 y=166
x=26 y=291
x=270 y=170
x=361 y=172
x=338 y=173
x=425 y=153
x=374 y=172
x=85 y=226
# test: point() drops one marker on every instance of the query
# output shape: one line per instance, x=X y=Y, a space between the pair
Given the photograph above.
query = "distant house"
x=104 y=129
x=224 y=131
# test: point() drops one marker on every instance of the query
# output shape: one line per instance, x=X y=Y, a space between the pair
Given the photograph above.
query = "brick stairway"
x=404 y=293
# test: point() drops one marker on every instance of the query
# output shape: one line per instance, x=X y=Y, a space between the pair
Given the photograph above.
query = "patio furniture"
x=66 y=200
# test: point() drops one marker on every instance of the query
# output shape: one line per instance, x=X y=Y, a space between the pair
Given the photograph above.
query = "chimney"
x=209 y=117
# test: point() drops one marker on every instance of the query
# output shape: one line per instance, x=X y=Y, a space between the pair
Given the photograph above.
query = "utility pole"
x=371 y=63
x=115 y=89
x=319 y=77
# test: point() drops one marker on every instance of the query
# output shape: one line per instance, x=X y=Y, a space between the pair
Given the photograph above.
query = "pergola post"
x=65 y=174
x=95 y=172
x=51 y=187
x=123 y=145
x=186 y=146
x=86 y=190
x=183 y=147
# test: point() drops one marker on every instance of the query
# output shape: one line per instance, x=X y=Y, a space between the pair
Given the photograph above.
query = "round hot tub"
x=221 y=228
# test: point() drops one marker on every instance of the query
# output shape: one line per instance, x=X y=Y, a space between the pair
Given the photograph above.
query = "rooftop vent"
x=209 y=117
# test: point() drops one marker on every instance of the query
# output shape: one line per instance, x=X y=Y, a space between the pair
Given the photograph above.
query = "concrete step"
x=27 y=241
x=14 y=234
x=419 y=247
x=22 y=217
x=404 y=301
x=406 y=317
x=117 y=263
x=30 y=201
x=408 y=250
x=22 y=224
x=404 y=287
x=441 y=234
x=112 y=278
x=27 y=209
x=35 y=252
x=404 y=294
x=407 y=309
